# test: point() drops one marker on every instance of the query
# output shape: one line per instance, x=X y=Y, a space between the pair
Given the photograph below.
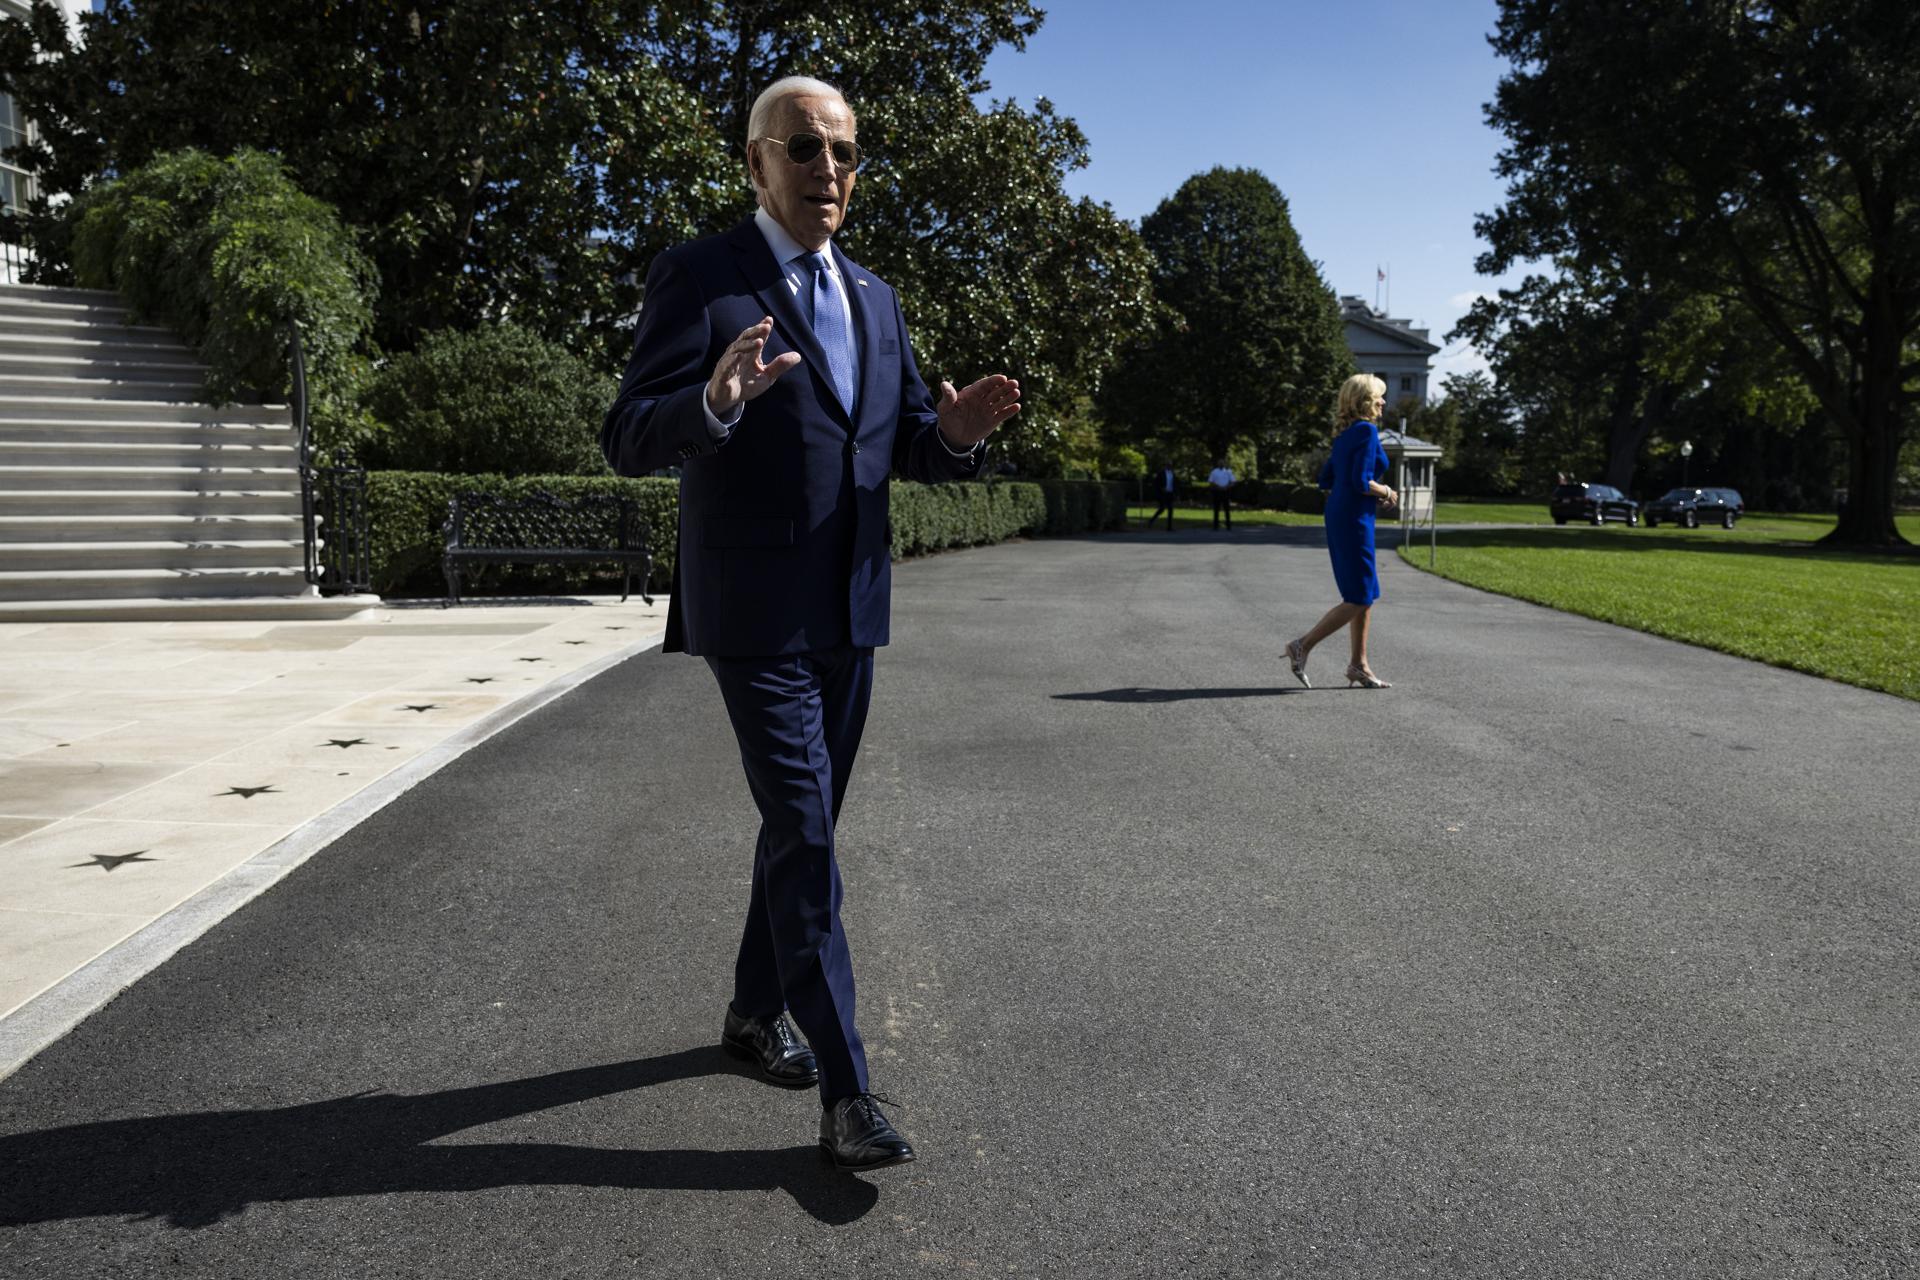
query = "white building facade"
x=1391 y=350
x=16 y=185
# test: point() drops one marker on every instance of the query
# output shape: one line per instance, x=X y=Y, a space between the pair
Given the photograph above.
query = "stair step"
x=102 y=584
x=95 y=389
x=49 y=432
x=106 y=308
x=141 y=503
x=75 y=324
x=86 y=343
x=150 y=527
x=116 y=366
x=241 y=451
x=61 y=294
x=306 y=606
x=173 y=478
x=183 y=556
x=15 y=408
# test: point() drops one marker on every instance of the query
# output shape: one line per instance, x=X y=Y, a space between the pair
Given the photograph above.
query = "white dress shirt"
x=797 y=271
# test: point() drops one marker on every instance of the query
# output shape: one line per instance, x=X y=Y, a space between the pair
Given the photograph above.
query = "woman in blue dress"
x=1352 y=478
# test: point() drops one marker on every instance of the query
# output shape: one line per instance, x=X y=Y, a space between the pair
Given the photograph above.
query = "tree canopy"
x=506 y=160
x=1253 y=347
x=1764 y=155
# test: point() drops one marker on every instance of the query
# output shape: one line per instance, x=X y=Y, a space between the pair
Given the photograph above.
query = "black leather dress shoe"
x=856 y=1136
x=771 y=1045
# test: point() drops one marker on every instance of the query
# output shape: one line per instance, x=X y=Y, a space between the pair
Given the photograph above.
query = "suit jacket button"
x=856 y=446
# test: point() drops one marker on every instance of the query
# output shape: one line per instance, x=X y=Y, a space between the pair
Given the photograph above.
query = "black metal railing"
x=333 y=503
x=346 y=553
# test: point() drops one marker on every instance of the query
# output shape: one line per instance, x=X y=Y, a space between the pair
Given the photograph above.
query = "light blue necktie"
x=831 y=328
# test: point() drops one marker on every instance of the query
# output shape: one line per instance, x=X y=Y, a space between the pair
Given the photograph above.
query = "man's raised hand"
x=970 y=416
x=740 y=376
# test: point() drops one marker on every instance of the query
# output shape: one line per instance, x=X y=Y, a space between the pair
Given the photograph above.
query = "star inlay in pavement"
x=421 y=706
x=481 y=679
x=616 y=628
x=573 y=642
x=344 y=743
x=108 y=861
x=248 y=793
x=529 y=659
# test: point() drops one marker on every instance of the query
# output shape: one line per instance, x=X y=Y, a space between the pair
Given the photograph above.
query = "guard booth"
x=1413 y=462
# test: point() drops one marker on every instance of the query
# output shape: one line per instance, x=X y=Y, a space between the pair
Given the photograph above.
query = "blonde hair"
x=1356 y=399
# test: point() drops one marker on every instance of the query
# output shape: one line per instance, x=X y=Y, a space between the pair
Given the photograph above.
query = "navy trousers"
x=798 y=720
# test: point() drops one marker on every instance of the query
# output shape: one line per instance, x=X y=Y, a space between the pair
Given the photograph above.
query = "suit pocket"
x=747 y=531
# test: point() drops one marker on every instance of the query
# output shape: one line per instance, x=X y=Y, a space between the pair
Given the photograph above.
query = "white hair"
x=779 y=91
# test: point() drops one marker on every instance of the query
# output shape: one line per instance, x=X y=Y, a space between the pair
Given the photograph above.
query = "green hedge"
x=1307 y=500
x=1268 y=495
x=226 y=252
x=935 y=517
x=407 y=512
x=497 y=399
x=407 y=516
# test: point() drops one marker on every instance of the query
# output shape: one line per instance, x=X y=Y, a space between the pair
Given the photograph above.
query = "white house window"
x=1406 y=383
x=14 y=181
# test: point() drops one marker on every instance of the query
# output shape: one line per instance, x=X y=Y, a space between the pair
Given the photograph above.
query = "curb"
x=50 y=1015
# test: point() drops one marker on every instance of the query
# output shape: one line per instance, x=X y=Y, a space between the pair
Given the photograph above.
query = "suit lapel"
x=866 y=319
x=769 y=284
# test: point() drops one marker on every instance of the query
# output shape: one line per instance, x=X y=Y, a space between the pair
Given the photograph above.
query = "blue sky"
x=1365 y=113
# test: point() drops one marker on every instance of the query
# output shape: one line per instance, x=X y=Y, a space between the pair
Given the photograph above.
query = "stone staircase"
x=121 y=496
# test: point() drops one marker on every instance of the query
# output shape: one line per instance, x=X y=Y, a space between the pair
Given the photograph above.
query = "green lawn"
x=1759 y=591
x=1492 y=511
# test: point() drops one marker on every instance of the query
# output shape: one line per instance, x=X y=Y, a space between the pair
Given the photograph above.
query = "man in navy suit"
x=777 y=373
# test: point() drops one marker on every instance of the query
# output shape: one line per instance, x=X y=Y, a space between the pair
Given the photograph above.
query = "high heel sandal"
x=1297 y=658
x=1365 y=679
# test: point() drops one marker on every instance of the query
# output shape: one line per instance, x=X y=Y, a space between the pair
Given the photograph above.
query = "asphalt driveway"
x=1577 y=953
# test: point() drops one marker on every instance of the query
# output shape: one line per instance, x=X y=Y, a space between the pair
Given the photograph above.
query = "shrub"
x=935 y=517
x=227 y=253
x=1081 y=506
x=1307 y=500
x=407 y=516
x=497 y=399
x=1122 y=462
x=407 y=513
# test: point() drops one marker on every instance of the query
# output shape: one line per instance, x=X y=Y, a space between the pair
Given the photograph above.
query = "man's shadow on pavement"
x=193 y=1170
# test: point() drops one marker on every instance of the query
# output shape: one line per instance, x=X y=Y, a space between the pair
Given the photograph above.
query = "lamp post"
x=1686 y=462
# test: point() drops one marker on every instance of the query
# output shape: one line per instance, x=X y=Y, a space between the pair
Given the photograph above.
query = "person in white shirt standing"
x=1219 y=481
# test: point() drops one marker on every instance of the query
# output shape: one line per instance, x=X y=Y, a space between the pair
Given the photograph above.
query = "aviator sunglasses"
x=804 y=148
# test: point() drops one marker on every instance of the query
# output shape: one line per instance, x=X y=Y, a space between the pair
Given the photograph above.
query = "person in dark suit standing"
x=1164 y=487
x=777 y=373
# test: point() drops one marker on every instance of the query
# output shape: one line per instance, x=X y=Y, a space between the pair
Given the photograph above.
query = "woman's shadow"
x=195 y=1169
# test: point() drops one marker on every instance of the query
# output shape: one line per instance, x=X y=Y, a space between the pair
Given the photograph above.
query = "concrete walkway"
x=143 y=762
x=1577 y=953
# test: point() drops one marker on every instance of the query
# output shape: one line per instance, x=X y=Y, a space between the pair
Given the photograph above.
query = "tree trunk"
x=1628 y=430
x=1873 y=433
x=1872 y=451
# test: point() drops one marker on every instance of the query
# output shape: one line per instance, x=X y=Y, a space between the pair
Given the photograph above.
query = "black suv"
x=1594 y=503
x=1690 y=508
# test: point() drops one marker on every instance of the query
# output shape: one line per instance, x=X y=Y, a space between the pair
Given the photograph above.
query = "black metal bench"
x=541 y=528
